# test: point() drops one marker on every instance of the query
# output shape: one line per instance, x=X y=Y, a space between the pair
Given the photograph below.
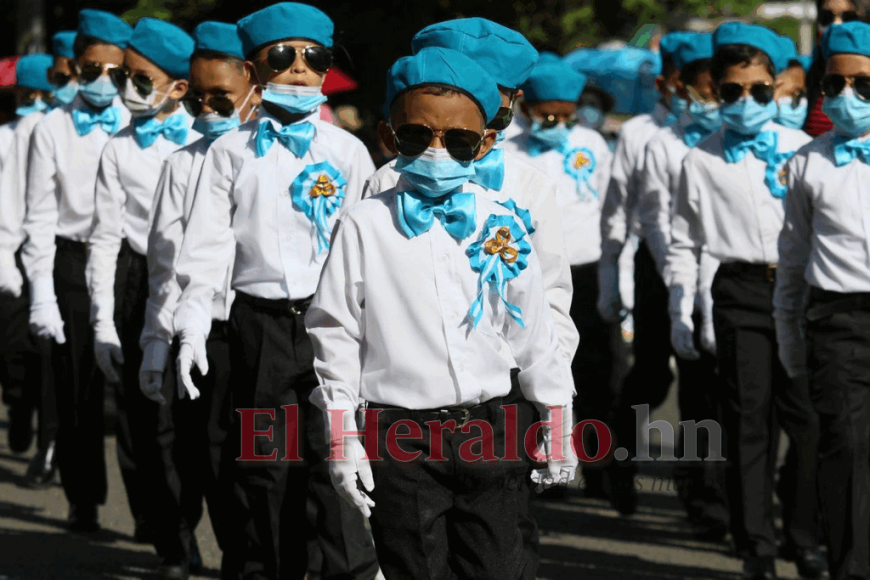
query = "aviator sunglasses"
x=282 y=56
x=143 y=84
x=220 y=104
x=550 y=121
x=91 y=71
x=732 y=92
x=505 y=114
x=833 y=85
x=412 y=140
x=826 y=17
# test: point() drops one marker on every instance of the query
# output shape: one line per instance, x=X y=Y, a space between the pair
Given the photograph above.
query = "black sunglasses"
x=732 y=92
x=826 y=17
x=282 y=56
x=220 y=104
x=833 y=85
x=59 y=79
x=412 y=140
x=27 y=99
x=505 y=115
x=143 y=84
x=550 y=121
x=91 y=71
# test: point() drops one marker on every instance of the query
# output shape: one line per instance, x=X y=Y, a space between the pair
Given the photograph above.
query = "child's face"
x=791 y=82
x=746 y=75
x=667 y=84
x=62 y=66
x=561 y=111
x=215 y=78
x=439 y=113
x=702 y=86
x=136 y=64
x=100 y=56
x=848 y=65
x=299 y=72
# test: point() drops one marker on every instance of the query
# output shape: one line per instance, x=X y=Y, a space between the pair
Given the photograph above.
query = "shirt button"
x=444 y=257
x=461 y=368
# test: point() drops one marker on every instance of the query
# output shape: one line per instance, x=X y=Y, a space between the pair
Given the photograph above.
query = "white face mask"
x=140 y=106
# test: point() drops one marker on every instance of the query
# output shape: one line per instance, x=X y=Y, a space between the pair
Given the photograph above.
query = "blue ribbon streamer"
x=326 y=180
x=580 y=164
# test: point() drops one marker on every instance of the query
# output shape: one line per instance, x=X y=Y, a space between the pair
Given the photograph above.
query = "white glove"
x=107 y=350
x=609 y=300
x=792 y=346
x=151 y=372
x=192 y=351
x=11 y=281
x=45 y=320
x=562 y=462
x=344 y=474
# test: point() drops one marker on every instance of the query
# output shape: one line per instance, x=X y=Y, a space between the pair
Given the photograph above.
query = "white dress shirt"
x=61 y=176
x=825 y=242
x=243 y=208
x=171 y=212
x=579 y=205
x=728 y=207
x=621 y=198
x=125 y=191
x=13 y=185
x=7 y=133
x=535 y=192
x=389 y=326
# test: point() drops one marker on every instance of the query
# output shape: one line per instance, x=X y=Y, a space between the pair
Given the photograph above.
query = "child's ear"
x=662 y=85
x=682 y=92
x=486 y=144
x=179 y=90
x=386 y=135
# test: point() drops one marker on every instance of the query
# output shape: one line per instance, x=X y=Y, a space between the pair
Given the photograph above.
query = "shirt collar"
x=310 y=118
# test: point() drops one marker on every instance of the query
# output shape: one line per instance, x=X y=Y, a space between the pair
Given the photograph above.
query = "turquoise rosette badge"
x=580 y=164
x=498 y=256
x=318 y=192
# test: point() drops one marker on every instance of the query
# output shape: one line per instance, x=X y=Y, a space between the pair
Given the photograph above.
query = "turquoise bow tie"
x=535 y=147
x=295 y=137
x=147 y=129
x=489 y=171
x=694 y=134
x=455 y=211
x=761 y=145
x=86 y=120
x=847 y=149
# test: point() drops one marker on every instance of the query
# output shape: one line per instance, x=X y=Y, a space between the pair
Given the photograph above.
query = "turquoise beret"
x=554 y=81
x=693 y=47
x=548 y=57
x=806 y=61
x=164 y=44
x=671 y=41
x=219 y=37
x=104 y=26
x=504 y=53
x=62 y=43
x=284 y=21
x=764 y=39
x=847 y=38
x=31 y=71
x=443 y=67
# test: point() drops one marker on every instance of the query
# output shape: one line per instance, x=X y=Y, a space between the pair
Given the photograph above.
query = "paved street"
x=581 y=538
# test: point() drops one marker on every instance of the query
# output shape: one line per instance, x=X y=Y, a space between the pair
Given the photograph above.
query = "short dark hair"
x=794 y=63
x=82 y=42
x=738 y=55
x=214 y=55
x=669 y=66
x=689 y=73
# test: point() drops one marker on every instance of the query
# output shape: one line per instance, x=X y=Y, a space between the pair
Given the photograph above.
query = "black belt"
x=280 y=305
x=824 y=303
x=766 y=272
x=461 y=414
x=68 y=245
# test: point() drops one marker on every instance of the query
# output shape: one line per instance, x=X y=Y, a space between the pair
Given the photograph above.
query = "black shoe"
x=759 y=569
x=709 y=529
x=196 y=565
x=42 y=468
x=143 y=534
x=624 y=500
x=83 y=519
x=809 y=561
x=173 y=571
x=20 y=430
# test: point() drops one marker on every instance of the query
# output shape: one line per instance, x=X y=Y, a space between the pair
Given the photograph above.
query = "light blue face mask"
x=789 y=115
x=706 y=115
x=294 y=99
x=212 y=125
x=678 y=105
x=553 y=136
x=64 y=95
x=747 y=116
x=37 y=105
x=500 y=136
x=848 y=112
x=434 y=172
x=99 y=93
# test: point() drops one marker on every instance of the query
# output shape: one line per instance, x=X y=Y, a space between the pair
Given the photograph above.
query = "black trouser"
x=596 y=366
x=79 y=386
x=526 y=415
x=272 y=366
x=701 y=485
x=199 y=462
x=455 y=518
x=25 y=364
x=761 y=398
x=140 y=452
x=838 y=336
